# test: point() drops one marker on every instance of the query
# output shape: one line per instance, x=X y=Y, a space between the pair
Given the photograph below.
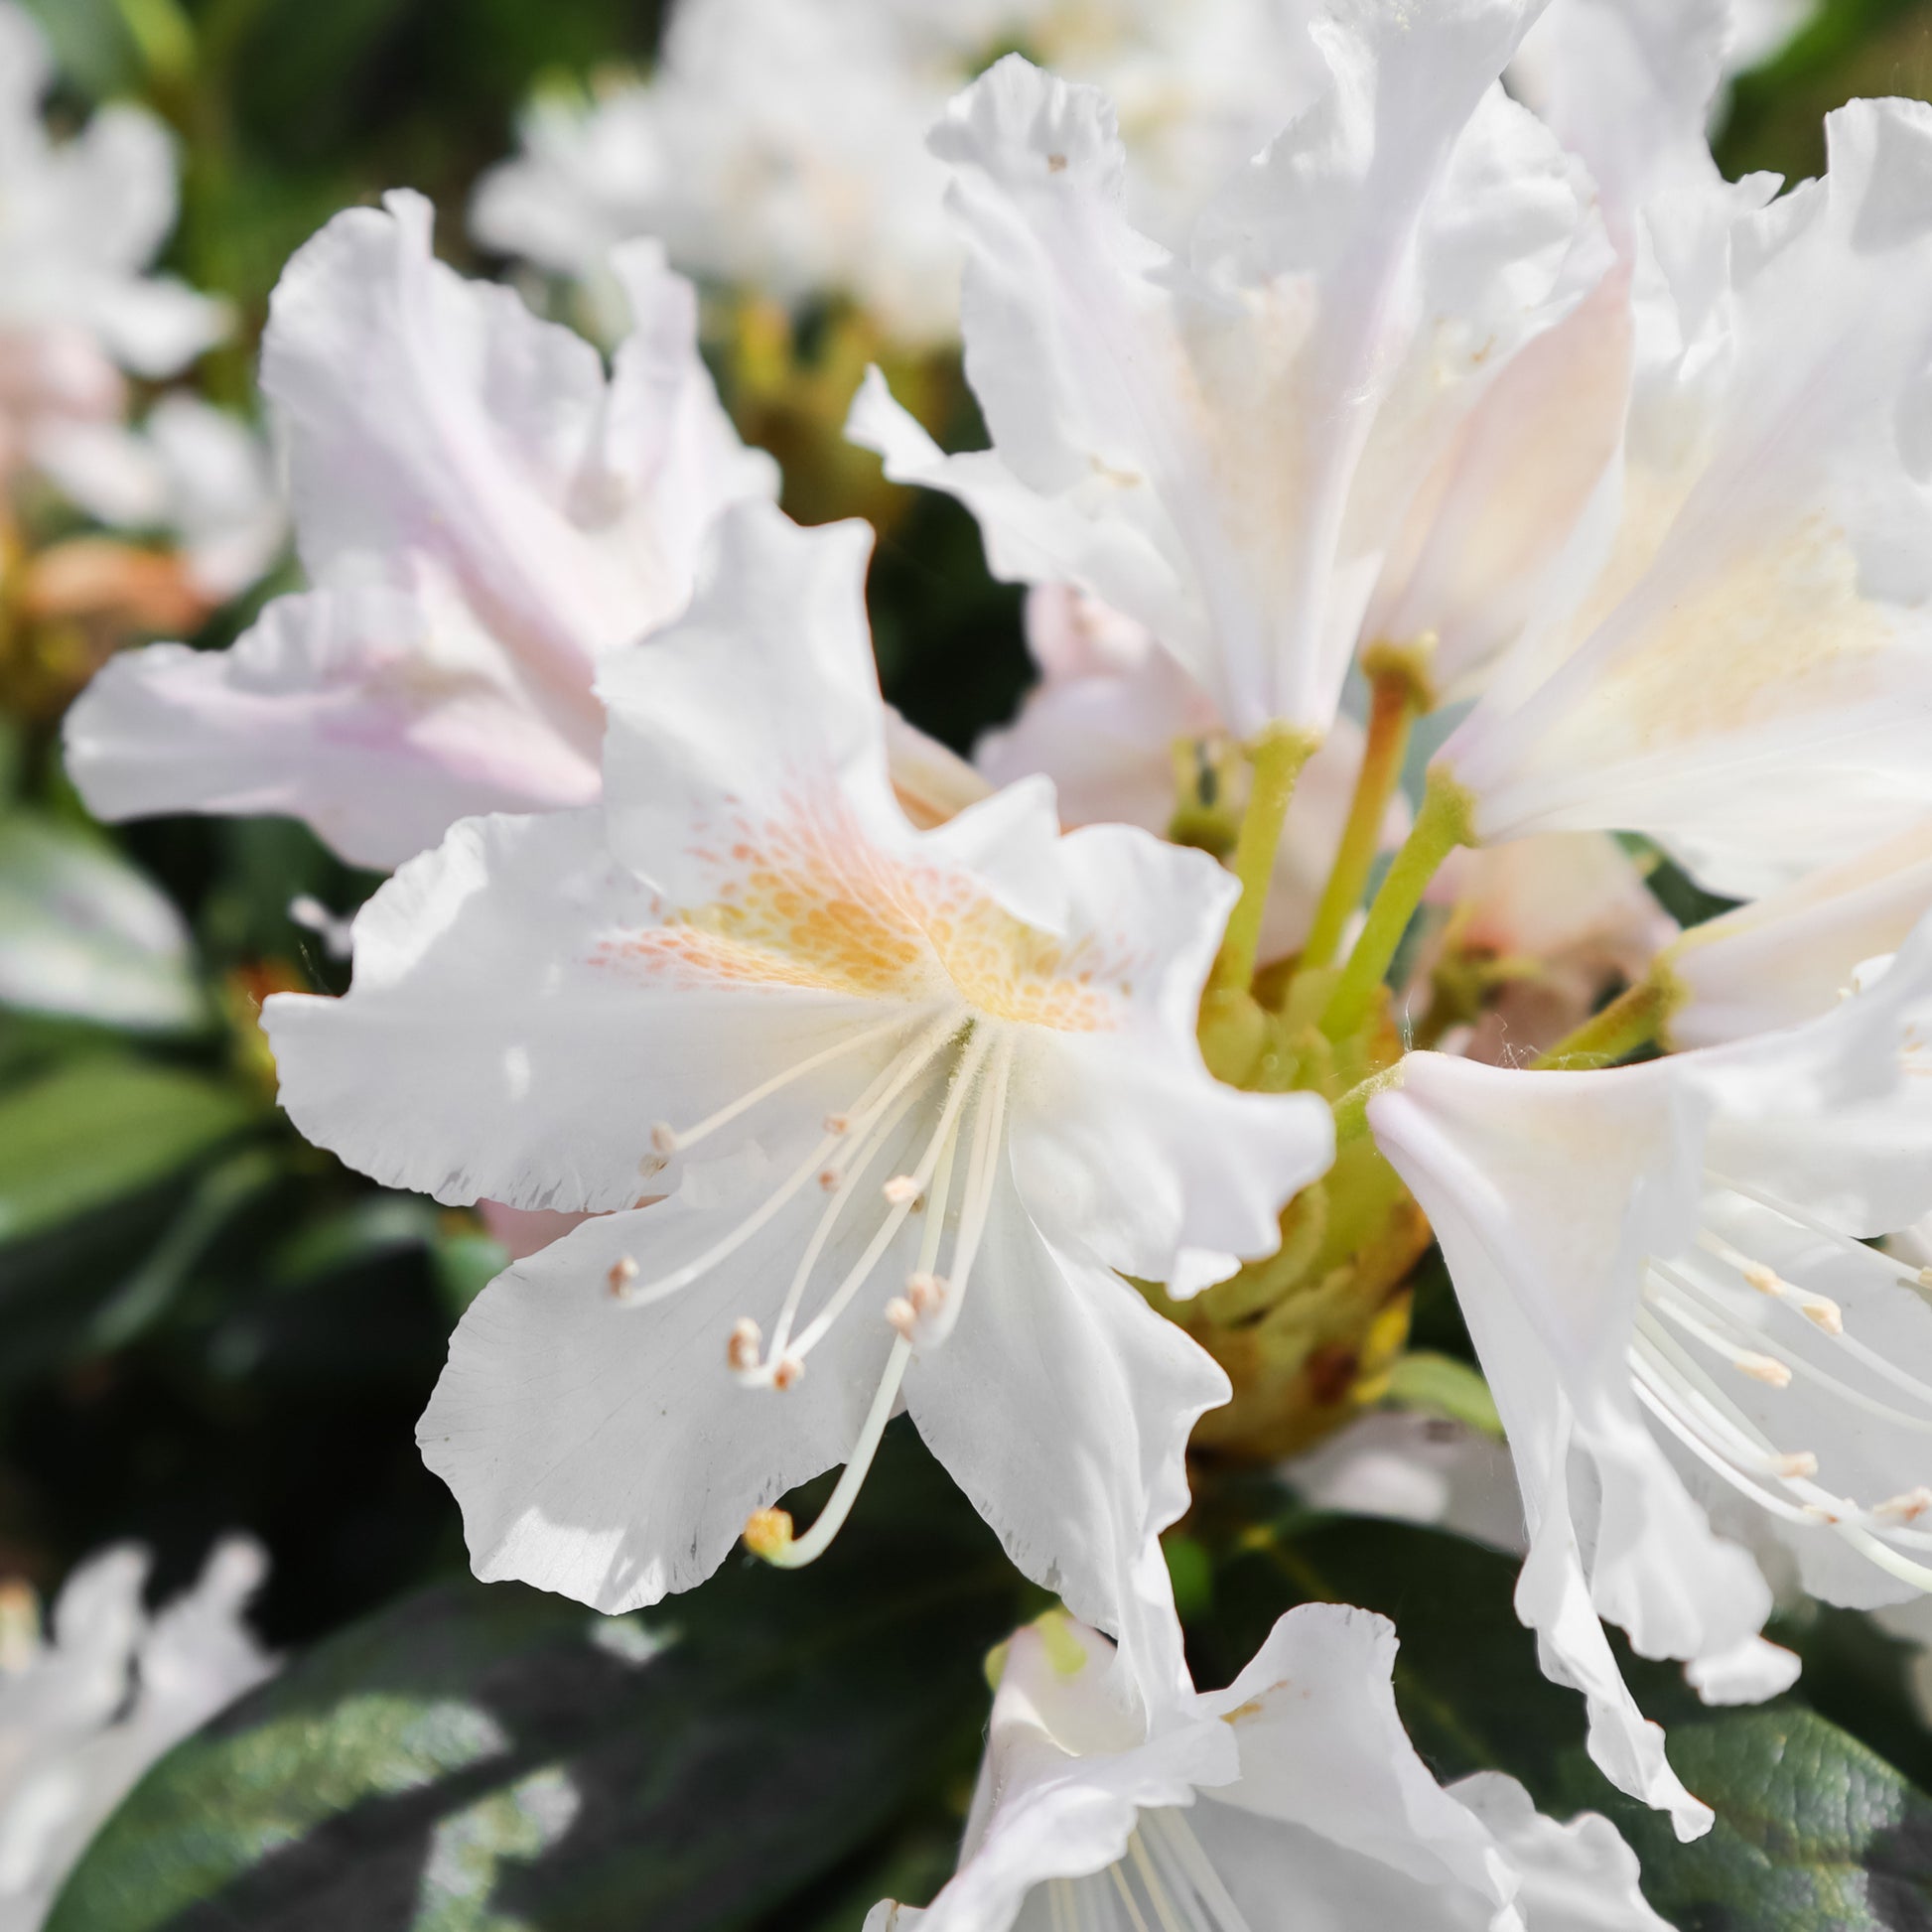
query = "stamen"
x=901 y=1191
x=1907 y=1508
x=1819 y=1310
x=1764 y=1368
x=838 y=1123
x=1808 y=1371
x=865 y=1150
x=790 y=1370
x=902 y=1317
x=620 y=1272
x=768 y=1532
x=667 y=1140
x=936 y=1149
x=741 y=1349
x=1844 y=1243
x=883 y=1089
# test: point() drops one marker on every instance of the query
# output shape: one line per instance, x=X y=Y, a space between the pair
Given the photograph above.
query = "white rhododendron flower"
x=85 y=1712
x=481 y=512
x=1744 y=669
x=1112 y=714
x=81 y=221
x=1292 y=1798
x=1222 y=443
x=1665 y=1273
x=914 y=1098
x=779 y=145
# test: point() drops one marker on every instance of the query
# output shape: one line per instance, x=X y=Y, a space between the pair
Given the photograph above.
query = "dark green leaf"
x=482 y=1756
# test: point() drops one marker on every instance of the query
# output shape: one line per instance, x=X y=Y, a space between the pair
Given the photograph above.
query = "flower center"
x=804 y=899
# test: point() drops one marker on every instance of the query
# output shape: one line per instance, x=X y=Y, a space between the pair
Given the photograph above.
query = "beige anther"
x=902 y=1317
x=902 y=1188
x=1824 y=1312
x=788 y=1371
x=622 y=1272
x=741 y=1349
x=663 y=1139
x=1907 y=1508
x=1764 y=1368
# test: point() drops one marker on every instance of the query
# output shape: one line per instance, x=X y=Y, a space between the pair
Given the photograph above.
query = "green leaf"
x=485 y=1757
x=102 y=1127
x=1815 y=1832
x=85 y=935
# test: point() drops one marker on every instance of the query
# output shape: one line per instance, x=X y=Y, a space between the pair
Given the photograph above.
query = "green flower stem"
x=1399 y=694
x=1440 y=826
x=1351 y=1110
x=1278 y=756
x=1631 y=1021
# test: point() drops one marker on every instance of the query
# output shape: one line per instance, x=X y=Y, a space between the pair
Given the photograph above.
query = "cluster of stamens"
x=944 y=1055
x=1688 y=1317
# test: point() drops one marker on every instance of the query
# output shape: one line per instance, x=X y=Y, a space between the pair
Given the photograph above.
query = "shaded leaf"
x=486 y=1756
x=100 y=1128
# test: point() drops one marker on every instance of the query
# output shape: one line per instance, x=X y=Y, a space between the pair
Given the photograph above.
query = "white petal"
x=509 y=1033
x=1126 y=1147
x=1323 y=1747
x=607 y=1451
x=1573 y=1878
x=1061 y=1405
x=377 y=714
x=763 y=694
x=1754 y=1671
x=1792 y=955
x=1744 y=677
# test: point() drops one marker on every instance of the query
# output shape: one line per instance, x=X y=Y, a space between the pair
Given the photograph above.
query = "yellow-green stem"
x=1277 y=757
x=1631 y=1021
x=1397 y=696
x=1440 y=826
x=1351 y=1110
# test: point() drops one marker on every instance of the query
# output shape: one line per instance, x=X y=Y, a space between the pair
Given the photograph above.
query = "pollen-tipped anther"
x=1907 y=1508
x=768 y=1532
x=664 y=1140
x=1767 y=1281
x=838 y=1123
x=902 y=1317
x=1800 y=1464
x=621 y=1274
x=1766 y=1369
x=925 y=1293
x=1823 y=1312
x=788 y=1372
x=742 y=1349
x=828 y=1178
x=901 y=1190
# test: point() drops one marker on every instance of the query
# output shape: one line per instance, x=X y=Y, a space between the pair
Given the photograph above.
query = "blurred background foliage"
x=207 y=1324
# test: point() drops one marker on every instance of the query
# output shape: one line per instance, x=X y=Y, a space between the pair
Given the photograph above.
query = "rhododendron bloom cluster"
x=1104 y=1093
